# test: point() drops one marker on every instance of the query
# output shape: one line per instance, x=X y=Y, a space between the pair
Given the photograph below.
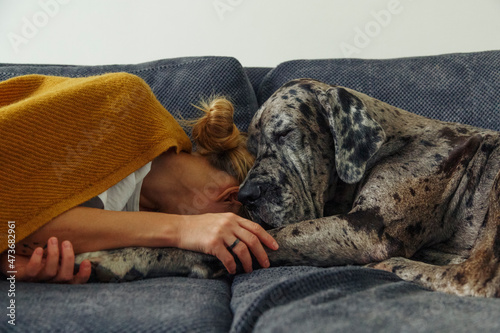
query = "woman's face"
x=204 y=189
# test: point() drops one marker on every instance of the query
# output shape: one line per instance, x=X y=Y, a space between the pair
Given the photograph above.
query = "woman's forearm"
x=91 y=229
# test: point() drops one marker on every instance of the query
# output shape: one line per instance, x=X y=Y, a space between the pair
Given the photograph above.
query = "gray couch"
x=454 y=87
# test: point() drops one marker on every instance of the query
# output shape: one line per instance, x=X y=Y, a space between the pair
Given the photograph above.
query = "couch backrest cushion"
x=177 y=83
x=454 y=87
x=256 y=75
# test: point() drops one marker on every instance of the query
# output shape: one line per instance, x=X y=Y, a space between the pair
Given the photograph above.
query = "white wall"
x=257 y=32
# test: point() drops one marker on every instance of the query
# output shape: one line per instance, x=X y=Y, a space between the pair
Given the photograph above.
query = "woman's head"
x=208 y=180
x=219 y=141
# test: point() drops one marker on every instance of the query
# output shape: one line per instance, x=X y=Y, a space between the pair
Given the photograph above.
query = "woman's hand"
x=54 y=268
x=214 y=233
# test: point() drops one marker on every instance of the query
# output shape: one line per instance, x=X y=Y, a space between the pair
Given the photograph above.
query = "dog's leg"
x=479 y=275
x=137 y=263
x=357 y=238
x=474 y=277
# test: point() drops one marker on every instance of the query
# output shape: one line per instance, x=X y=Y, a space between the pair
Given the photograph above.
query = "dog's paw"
x=389 y=265
x=206 y=272
x=129 y=264
x=112 y=266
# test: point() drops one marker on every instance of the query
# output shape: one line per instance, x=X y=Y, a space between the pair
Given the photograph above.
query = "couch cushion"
x=453 y=87
x=172 y=304
x=351 y=299
x=177 y=83
x=255 y=75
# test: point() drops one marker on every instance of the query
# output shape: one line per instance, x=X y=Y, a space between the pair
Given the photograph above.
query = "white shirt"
x=126 y=194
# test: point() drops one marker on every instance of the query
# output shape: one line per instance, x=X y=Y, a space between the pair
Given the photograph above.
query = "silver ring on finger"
x=230 y=247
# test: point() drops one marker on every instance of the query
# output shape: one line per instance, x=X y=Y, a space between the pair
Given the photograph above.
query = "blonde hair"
x=218 y=139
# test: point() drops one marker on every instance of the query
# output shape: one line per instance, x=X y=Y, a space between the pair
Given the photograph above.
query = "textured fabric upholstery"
x=461 y=88
x=256 y=75
x=351 y=299
x=156 y=305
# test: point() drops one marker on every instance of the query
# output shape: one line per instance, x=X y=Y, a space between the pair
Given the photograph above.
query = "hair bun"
x=215 y=132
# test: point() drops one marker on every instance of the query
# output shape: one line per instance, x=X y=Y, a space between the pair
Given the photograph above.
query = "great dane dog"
x=343 y=178
x=347 y=179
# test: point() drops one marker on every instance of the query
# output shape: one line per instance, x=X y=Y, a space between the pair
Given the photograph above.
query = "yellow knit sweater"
x=65 y=140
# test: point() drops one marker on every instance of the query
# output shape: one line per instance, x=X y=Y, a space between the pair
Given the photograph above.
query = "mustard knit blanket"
x=65 y=140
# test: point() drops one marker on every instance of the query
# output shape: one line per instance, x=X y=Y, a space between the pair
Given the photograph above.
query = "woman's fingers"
x=227 y=259
x=57 y=267
x=35 y=265
x=52 y=261
x=242 y=251
x=65 y=273
x=260 y=232
x=250 y=243
x=254 y=237
x=83 y=274
x=215 y=233
x=60 y=268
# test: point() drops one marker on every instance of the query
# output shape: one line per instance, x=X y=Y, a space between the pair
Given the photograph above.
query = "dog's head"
x=305 y=137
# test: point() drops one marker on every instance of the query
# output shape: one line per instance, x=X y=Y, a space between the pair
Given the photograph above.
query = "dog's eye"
x=282 y=135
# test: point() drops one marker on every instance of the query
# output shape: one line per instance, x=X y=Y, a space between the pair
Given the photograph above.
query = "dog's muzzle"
x=249 y=193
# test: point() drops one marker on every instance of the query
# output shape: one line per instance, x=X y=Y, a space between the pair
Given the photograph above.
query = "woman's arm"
x=91 y=229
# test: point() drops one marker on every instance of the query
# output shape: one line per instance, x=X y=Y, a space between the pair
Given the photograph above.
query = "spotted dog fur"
x=135 y=263
x=344 y=178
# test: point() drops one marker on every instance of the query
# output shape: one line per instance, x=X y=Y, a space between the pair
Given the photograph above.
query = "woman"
x=180 y=199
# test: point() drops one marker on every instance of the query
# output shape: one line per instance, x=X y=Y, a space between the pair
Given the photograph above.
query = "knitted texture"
x=65 y=140
x=351 y=299
x=171 y=304
x=458 y=87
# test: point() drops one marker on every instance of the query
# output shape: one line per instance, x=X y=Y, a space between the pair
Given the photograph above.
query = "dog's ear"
x=356 y=135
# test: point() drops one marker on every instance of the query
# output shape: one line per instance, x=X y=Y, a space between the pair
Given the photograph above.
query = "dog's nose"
x=249 y=193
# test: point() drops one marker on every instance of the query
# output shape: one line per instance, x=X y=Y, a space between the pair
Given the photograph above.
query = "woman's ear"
x=230 y=195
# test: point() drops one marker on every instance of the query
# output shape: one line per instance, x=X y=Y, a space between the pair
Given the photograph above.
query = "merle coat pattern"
x=346 y=179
